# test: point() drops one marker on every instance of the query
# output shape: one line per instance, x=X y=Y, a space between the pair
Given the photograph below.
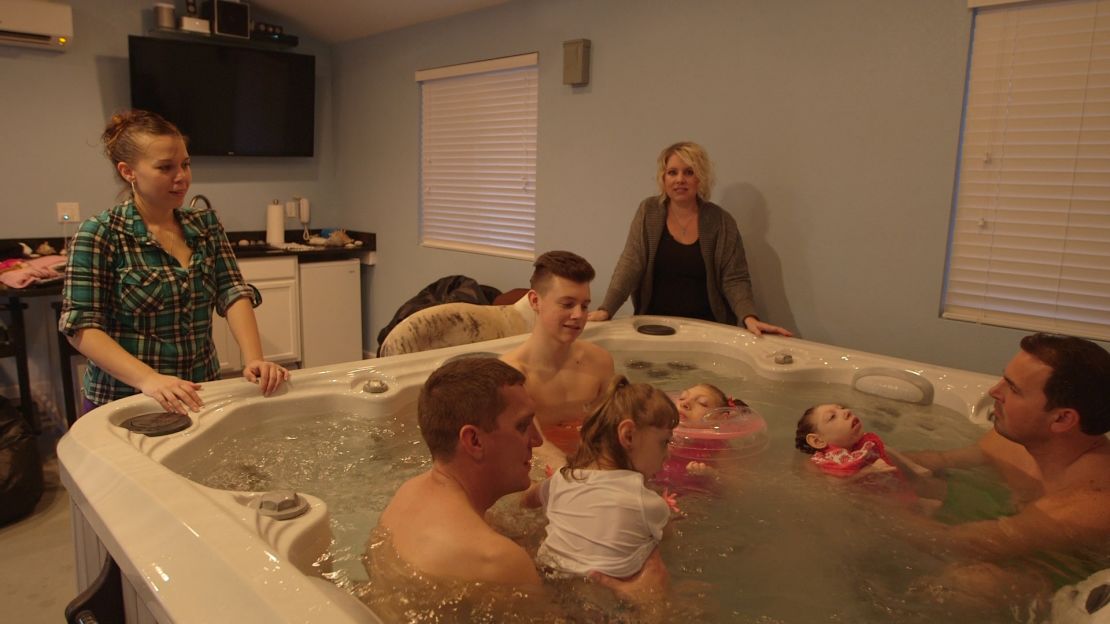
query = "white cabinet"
x=331 y=312
x=278 y=317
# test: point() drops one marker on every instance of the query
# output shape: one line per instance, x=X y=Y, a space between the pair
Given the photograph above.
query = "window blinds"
x=478 y=157
x=1030 y=245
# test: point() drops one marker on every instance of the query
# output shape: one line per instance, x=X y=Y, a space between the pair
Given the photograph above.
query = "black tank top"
x=678 y=286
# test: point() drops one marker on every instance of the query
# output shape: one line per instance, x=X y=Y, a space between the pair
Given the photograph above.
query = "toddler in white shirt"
x=601 y=517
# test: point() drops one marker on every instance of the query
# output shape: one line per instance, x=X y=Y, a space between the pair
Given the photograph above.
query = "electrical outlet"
x=68 y=212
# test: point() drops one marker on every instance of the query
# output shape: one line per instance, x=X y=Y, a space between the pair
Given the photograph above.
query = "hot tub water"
x=775 y=543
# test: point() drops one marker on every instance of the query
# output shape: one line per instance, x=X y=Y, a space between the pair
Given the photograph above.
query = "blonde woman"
x=684 y=255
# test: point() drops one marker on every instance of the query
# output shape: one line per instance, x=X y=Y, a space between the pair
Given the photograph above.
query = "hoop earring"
x=132 y=189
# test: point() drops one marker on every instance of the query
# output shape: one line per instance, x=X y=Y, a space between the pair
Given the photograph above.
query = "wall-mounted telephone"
x=305 y=212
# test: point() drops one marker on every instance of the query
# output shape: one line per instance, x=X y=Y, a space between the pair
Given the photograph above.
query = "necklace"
x=159 y=233
x=689 y=222
x=168 y=239
x=165 y=237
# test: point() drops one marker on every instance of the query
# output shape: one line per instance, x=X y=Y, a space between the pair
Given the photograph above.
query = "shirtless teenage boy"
x=563 y=375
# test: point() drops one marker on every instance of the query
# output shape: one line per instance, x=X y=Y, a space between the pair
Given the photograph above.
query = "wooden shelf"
x=187 y=35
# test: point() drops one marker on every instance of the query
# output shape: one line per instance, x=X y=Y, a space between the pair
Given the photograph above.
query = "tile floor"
x=37 y=577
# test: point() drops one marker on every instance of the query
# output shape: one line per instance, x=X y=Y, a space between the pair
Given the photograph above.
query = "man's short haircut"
x=564 y=264
x=459 y=393
x=1079 y=379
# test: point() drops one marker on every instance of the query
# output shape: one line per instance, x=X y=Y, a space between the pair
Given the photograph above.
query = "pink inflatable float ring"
x=722 y=434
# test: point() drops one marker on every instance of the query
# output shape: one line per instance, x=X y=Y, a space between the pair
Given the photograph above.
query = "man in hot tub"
x=563 y=375
x=1049 y=443
x=433 y=552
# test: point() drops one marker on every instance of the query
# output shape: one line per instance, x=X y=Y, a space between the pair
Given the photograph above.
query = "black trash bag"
x=20 y=466
x=450 y=289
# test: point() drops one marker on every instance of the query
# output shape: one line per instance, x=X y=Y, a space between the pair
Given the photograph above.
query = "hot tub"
x=190 y=553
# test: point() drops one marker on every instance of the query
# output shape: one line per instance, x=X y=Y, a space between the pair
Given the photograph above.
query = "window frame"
x=1033 y=252
x=478 y=137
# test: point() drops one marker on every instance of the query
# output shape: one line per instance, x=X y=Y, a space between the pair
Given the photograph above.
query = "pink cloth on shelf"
x=33 y=271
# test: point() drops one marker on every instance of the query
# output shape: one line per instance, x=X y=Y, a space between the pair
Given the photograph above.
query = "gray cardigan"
x=727 y=279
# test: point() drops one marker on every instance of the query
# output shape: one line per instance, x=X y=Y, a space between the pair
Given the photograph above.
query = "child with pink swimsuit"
x=834 y=438
x=713 y=427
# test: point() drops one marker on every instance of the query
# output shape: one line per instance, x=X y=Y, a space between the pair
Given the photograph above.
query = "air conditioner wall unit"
x=36 y=24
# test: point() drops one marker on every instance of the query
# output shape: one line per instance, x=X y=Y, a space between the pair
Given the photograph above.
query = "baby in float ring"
x=713 y=428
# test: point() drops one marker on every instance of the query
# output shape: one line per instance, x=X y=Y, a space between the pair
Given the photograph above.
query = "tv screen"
x=228 y=100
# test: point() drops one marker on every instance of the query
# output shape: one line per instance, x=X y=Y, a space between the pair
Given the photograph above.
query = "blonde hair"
x=644 y=405
x=694 y=155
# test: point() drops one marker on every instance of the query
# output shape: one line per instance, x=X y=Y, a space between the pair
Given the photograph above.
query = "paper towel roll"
x=275 y=224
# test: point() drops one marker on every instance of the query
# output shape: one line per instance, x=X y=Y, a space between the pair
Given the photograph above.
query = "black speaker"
x=230 y=19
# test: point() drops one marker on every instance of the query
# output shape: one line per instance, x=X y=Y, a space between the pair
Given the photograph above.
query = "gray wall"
x=833 y=126
x=53 y=107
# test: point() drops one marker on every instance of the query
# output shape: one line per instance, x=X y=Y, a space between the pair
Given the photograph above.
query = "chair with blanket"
x=453 y=324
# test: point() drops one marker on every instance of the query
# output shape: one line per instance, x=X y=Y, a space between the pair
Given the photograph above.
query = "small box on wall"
x=576 y=62
x=230 y=19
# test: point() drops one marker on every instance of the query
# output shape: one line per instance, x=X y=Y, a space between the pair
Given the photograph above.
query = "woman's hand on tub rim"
x=758 y=327
x=172 y=393
x=268 y=375
x=598 y=315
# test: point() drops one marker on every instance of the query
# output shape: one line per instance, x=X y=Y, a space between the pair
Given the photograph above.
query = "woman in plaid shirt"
x=143 y=278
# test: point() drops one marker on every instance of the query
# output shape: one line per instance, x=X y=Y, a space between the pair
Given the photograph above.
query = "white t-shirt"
x=608 y=522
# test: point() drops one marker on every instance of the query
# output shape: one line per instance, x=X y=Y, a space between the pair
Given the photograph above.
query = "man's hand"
x=646 y=587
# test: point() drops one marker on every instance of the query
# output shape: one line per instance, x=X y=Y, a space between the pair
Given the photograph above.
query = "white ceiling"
x=335 y=21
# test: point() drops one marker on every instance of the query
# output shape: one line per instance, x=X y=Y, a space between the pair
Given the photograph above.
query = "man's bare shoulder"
x=436 y=531
x=1090 y=476
x=516 y=358
x=465 y=550
x=439 y=533
x=498 y=559
x=594 y=358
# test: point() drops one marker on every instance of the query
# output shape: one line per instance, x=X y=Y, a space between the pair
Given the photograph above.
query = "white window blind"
x=1030 y=244
x=478 y=157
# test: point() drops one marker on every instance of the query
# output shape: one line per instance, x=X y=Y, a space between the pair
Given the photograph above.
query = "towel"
x=35 y=271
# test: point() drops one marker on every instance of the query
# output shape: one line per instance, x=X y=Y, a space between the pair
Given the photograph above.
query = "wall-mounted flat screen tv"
x=228 y=100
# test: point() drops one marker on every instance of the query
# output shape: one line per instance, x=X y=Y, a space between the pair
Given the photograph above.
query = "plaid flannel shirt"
x=120 y=280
